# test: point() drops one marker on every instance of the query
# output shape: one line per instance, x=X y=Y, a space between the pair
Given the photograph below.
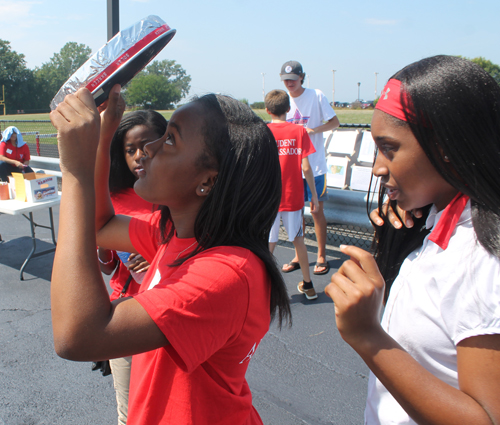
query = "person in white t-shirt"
x=310 y=108
x=435 y=355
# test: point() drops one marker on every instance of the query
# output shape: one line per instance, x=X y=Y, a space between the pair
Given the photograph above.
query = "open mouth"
x=140 y=171
x=392 y=193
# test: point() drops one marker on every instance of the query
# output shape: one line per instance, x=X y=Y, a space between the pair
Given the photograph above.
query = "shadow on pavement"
x=14 y=252
x=305 y=374
x=300 y=298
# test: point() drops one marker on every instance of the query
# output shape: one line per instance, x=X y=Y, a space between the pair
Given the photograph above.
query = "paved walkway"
x=300 y=375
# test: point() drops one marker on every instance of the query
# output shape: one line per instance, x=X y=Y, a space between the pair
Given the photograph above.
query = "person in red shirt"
x=213 y=285
x=294 y=146
x=14 y=154
x=127 y=148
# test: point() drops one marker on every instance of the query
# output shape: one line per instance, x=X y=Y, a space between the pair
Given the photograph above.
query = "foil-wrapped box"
x=119 y=60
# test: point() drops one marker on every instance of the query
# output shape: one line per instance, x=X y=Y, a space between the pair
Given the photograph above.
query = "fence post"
x=37 y=138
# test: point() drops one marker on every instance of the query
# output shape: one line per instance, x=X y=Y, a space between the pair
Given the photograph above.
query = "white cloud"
x=384 y=22
x=15 y=10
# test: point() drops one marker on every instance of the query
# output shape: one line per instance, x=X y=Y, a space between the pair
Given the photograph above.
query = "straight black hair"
x=242 y=204
x=456 y=114
x=121 y=177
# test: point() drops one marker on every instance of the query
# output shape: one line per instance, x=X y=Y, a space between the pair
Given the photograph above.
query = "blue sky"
x=226 y=45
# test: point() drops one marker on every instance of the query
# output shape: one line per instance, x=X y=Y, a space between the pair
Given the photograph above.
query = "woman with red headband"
x=435 y=354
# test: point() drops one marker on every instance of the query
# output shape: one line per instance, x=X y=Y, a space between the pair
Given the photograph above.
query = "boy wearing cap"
x=310 y=108
x=294 y=147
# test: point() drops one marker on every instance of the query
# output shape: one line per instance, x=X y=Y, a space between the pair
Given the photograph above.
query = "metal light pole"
x=113 y=18
x=333 y=91
x=359 y=84
x=263 y=86
x=375 y=85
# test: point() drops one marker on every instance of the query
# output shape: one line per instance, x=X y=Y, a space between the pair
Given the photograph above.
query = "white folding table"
x=13 y=207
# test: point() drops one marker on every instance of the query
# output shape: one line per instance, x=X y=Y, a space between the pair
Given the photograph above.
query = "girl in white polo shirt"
x=435 y=355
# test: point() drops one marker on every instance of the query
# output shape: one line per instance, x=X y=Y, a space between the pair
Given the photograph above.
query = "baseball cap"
x=291 y=70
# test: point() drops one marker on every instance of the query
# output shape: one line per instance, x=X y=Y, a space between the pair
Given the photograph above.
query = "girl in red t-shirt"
x=127 y=148
x=14 y=154
x=213 y=286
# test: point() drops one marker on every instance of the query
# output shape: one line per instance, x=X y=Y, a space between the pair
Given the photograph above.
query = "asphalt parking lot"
x=304 y=374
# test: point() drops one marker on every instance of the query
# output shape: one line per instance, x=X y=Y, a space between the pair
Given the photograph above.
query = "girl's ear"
x=206 y=185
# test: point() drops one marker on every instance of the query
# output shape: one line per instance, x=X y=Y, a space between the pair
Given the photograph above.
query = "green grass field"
x=23 y=123
x=31 y=117
x=346 y=116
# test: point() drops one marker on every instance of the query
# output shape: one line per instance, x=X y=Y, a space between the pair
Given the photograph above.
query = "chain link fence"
x=342 y=234
x=336 y=234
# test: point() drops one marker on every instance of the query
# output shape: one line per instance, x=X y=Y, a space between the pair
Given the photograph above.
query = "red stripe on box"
x=117 y=63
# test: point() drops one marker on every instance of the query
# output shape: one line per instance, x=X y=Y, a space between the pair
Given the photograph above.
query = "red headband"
x=390 y=100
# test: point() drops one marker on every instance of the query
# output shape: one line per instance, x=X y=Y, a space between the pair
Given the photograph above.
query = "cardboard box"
x=35 y=187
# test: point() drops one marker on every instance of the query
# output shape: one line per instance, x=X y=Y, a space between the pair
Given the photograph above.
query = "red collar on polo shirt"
x=441 y=233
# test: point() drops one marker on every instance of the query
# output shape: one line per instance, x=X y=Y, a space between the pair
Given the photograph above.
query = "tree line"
x=491 y=68
x=159 y=86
